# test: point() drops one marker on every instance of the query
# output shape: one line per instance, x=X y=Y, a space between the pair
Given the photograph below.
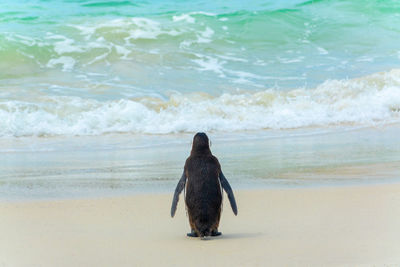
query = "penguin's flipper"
x=226 y=186
x=179 y=187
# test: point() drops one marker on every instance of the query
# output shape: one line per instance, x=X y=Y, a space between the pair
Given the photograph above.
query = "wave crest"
x=363 y=101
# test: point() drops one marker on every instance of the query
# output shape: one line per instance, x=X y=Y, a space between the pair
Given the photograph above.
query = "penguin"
x=203 y=182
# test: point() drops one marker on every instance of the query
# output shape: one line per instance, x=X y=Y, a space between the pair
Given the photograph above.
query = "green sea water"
x=141 y=48
x=65 y=63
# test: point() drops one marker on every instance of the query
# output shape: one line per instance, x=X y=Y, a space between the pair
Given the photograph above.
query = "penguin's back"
x=203 y=191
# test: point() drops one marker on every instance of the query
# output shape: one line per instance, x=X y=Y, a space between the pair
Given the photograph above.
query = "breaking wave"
x=364 y=101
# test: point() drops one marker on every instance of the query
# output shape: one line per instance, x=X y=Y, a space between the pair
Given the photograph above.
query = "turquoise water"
x=95 y=67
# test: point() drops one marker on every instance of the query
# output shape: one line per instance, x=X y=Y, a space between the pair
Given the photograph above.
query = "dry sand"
x=351 y=226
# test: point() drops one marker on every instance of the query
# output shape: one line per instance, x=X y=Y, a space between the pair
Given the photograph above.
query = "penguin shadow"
x=240 y=235
x=232 y=236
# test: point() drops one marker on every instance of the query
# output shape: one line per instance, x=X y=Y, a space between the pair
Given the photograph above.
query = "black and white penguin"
x=203 y=180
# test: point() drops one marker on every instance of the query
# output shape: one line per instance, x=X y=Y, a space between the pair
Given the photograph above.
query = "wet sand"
x=329 y=226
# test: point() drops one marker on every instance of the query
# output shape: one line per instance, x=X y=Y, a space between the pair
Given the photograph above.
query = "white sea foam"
x=99 y=58
x=85 y=30
x=122 y=51
x=291 y=60
x=188 y=17
x=205 y=36
x=322 y=51
x=28 y=41
x=365 y=59
x=67 y=63
x=209 y=14
x=185 y=17
x=65 y=45
x=232 y=58
x=208 y=63
x=98 y=46
x=137 y=28
x=365 y=101
x=22 y=39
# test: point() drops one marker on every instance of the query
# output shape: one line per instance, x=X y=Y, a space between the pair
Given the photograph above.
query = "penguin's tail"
x=204 y=231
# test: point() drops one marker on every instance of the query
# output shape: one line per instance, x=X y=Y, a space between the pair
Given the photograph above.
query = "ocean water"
x=98 y=94
x=75 y=67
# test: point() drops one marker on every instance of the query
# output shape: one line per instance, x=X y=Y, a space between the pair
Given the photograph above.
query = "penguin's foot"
x=215 y=233
x=192 y=234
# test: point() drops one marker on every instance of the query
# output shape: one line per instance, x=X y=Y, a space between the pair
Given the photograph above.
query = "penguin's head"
x=201 y=144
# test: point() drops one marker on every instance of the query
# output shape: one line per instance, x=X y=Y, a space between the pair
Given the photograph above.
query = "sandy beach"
x=328 y=226
x=100 y=100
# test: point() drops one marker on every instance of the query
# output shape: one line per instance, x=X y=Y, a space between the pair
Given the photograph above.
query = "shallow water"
x=131 y=164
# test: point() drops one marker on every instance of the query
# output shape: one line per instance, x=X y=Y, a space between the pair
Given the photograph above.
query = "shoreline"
x=122 y=165
x=163 y=192
x=346 y=226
